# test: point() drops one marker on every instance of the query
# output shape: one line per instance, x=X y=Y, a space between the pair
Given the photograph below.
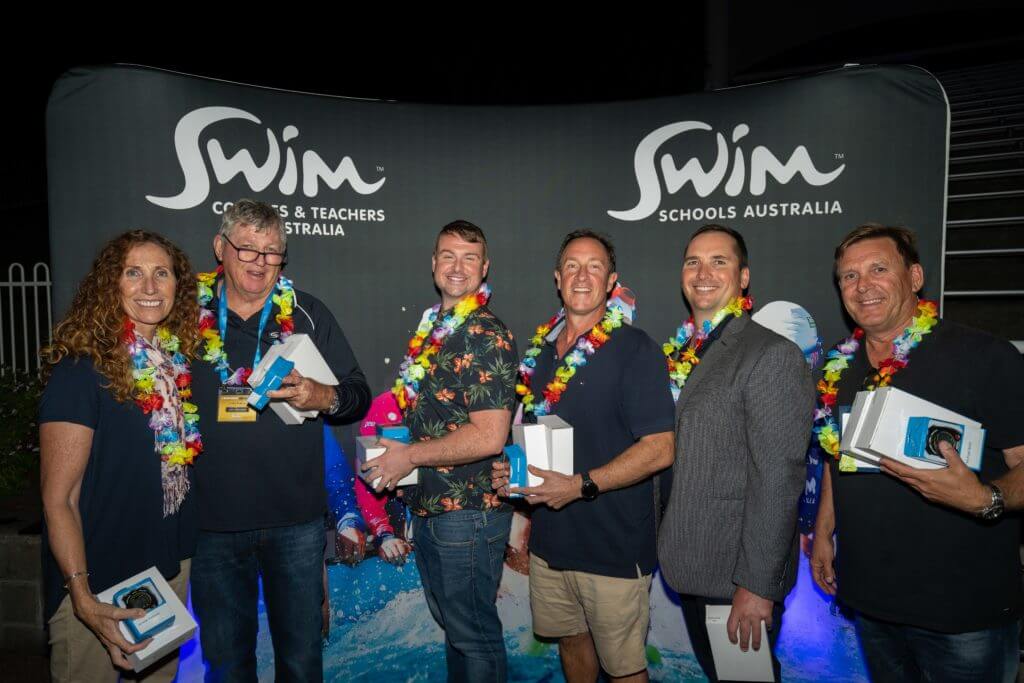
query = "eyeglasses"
x=271 y=258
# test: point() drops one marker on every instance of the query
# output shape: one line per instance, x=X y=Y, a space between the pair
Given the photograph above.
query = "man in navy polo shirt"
x=592 y=541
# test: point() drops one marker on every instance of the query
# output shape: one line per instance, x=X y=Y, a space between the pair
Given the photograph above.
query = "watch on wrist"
x=335 y=402
x=995 y=509
x=589 y=489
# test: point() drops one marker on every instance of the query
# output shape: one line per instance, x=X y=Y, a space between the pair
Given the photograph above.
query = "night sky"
x=524 y=60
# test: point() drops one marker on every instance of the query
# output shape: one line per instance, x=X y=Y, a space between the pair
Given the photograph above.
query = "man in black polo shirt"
x=928 y=558
x=592 y=540
x=261 y=495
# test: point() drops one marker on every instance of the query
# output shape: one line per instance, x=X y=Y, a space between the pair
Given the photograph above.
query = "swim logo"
x=289 y=172
x=737 y=176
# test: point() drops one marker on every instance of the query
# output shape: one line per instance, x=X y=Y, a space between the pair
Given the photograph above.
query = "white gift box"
x=893 y=423
x=532 y=438
x=367 y=449
x=732 y=663
x=300 y=350
x=851 y=423
x=547 y=444
x=269 y=380
x=168 y=621
x=559 y=435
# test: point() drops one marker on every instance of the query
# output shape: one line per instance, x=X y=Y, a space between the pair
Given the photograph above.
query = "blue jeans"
x=225 y=573
x=460 y=555
x=895 y=652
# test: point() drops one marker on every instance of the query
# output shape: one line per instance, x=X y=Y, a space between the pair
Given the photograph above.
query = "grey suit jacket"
x=743 y=425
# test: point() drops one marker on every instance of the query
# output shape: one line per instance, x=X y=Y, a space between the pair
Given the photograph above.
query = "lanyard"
x=222 y=324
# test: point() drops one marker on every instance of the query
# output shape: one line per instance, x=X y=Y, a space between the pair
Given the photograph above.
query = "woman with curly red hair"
x=117 y=435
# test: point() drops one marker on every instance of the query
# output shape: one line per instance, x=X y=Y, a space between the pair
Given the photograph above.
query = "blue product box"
x=158 y=615
x=924 y=434
x=518 y=476
x=271 y=381
x=394 y=432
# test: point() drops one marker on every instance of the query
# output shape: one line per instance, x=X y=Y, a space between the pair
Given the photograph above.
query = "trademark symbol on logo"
x=380 y=169
x=837 y=155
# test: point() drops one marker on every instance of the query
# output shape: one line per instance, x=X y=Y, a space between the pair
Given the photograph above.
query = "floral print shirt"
x=475 y=369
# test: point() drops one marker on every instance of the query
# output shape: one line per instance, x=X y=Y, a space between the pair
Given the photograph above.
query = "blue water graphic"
x=381 y=630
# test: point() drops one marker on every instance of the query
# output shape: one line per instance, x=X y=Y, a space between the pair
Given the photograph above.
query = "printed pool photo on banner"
x=381 y=629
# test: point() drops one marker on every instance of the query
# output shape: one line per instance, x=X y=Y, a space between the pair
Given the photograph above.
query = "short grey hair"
x=260 y=215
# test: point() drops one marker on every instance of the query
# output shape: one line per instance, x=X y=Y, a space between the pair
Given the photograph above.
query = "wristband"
x=69 y=579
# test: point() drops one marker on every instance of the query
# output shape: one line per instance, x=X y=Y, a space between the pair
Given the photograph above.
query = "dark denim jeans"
x=898 y=653
x=225 y=573
x=460 y=555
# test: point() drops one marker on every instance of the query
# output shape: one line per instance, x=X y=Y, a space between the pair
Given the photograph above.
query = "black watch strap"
x=589 y=489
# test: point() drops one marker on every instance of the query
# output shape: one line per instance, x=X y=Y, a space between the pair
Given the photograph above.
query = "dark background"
x=480 y=56
x=526 y=174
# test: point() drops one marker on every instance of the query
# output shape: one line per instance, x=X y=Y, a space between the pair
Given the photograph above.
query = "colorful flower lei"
x=428 y=340
x=284 y=297
x=838 y=359
x=586 y=346
x=681 y=350
x=176 y=447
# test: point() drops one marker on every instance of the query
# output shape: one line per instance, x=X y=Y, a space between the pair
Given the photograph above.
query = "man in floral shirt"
x=458 y=411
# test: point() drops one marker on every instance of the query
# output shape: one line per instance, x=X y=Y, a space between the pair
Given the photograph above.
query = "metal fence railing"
x=26 y=318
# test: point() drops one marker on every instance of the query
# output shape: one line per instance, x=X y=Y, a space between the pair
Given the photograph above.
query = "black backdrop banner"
x=364 y=186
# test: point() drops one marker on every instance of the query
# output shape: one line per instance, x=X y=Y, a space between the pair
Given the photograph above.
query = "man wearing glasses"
x=260 y=492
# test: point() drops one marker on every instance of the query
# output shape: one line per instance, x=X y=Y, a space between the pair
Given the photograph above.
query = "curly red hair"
x=94 y=324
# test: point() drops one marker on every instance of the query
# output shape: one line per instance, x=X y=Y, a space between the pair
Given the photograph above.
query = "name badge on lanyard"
x=233 y=401
x=233 y=405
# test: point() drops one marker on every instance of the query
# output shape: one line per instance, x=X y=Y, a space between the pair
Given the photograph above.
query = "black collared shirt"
x=265 y=474
x=903 y=559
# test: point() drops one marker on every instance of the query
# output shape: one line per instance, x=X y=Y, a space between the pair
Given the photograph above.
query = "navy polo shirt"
x=619 y=396
x=121 y=499
x=264 y=474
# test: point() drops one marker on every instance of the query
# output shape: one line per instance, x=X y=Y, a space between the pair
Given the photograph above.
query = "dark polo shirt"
x=903 y=559
x=256 y=475
x=619 y=396
x=121 y=499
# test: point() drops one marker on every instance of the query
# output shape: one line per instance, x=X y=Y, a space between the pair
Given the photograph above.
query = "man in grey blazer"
x=729 y=536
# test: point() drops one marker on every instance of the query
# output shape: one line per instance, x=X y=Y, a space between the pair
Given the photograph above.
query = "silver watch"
x=995 y=509
x=335 y=403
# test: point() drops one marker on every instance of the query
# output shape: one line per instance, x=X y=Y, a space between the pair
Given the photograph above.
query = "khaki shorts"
x=615 y=611
x=77 y=655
